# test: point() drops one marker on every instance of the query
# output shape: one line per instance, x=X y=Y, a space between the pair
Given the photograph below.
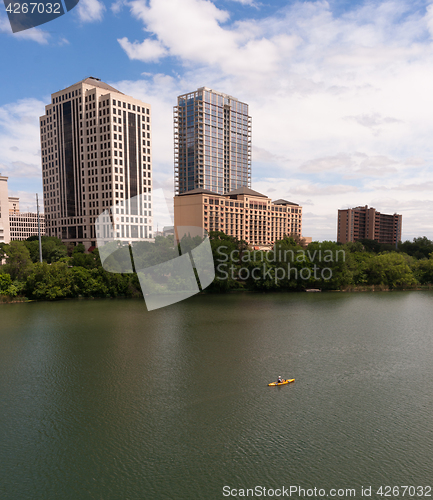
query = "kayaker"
x=279 y=379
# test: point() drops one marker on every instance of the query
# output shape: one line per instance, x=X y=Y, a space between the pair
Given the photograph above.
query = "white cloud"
x=146 y=51
x=90 y=10
x=19 y=139
x=117 y=6
x=355 y=165
x=341 y=106
x=373 y=121
x=27 y=200
x=250 y=3
x=278 y=188
x=34 y=34
x=192 y=31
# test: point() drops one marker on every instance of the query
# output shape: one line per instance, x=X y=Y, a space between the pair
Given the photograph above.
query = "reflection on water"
x=103 y=399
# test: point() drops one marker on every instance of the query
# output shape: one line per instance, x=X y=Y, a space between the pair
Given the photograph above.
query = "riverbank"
x=326 y=266
x=354 y=289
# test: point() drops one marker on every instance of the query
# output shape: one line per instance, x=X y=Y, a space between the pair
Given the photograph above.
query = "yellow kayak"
x=284 y=382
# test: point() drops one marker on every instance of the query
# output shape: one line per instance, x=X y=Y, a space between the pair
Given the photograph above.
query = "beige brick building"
x=243 y=213
x=366 y=223
x=96 y=151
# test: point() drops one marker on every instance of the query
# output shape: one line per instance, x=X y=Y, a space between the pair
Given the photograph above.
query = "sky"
x=340 y=93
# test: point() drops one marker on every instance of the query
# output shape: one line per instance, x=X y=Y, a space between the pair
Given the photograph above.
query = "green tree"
x=5 y=282
x=50 y=282
x=376 y=247
x=390 y=269
x=88 y=283
x=423 y=270
x=227 y=253
x=53 y=249
x=86 y=260
x=18 y=260
x=80 y=248
x=420 y=248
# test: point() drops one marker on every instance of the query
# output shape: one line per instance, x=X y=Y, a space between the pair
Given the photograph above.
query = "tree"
x=88 y=283
x=50 y=282
x=86 y=260
x=391 y=269
x=227 y=253
x=80 y=248
x=420 y=248
x=18 y=262
x=423 y=270
x=376 y=247
x=298 y=239
x=332 y=265
x=53 y=249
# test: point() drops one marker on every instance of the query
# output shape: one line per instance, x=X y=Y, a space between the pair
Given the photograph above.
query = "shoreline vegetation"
x=68 y=272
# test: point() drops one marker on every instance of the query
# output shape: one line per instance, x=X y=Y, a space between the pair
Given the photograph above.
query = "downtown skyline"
x=339 y=93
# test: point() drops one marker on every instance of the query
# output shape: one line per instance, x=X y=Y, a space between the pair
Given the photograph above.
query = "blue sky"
x=339 y=92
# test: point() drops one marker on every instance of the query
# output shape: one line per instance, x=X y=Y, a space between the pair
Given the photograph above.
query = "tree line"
x=66 y=272
x=70 y=272
x=291 y=266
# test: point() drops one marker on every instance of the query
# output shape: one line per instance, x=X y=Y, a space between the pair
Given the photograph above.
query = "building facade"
x=96 y=152
x=15 y=225
x=212 y=142
x=242 y=213
x=4 y=211
x=25 y=224
x=366 y=223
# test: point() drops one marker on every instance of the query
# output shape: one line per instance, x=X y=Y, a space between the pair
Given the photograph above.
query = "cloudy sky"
x=340 y=92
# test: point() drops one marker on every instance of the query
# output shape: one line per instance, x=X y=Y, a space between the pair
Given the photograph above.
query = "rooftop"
x=199 y=191
x=245 y=191
x=94 y=82
x=285 y=202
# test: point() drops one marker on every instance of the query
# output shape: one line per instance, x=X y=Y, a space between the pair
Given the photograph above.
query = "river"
x=105 y=400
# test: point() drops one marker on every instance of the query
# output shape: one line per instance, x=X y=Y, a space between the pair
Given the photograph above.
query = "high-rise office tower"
x=212 y=142
x=96 y=152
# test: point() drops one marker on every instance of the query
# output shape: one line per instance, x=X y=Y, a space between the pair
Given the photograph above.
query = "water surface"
x=104 y=400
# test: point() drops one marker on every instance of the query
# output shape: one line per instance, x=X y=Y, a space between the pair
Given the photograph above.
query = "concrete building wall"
x=23 y=225
x=188 y=210
x=4 y=210
x=14 y=205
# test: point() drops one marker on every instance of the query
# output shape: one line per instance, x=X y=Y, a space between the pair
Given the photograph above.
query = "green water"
x=104 y=400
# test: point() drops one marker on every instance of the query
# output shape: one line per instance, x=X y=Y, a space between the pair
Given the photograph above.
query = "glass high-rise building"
x=96 y=153
x=212 y=142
